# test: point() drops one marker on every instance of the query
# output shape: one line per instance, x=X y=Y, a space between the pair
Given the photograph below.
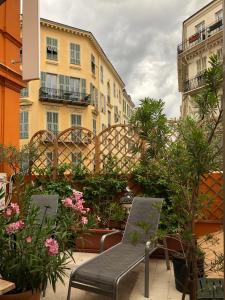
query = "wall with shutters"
x=65 y=70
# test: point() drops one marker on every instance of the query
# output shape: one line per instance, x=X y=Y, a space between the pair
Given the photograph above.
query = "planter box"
x=90 y=241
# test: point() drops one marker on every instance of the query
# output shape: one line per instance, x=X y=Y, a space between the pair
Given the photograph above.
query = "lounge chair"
x=48 y=205
x=103 y=273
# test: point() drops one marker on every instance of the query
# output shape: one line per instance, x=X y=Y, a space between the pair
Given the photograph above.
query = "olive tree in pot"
x=193 y=151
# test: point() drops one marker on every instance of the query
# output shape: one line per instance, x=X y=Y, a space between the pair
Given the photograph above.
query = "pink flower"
x=15 y=208
x=13 y=227
x=52 y=246
x=78 y=196
x=84 y=220
x=8 y=212
x=29 y=239
x=87 y=209
x=68 y=202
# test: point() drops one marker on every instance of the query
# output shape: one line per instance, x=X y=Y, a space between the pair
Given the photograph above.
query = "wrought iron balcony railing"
x=194 y=83
x=56 y=95
x=200 y=36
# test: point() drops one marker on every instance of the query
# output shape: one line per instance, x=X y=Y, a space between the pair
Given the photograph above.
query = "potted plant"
x=33 y=254
x=191 y=152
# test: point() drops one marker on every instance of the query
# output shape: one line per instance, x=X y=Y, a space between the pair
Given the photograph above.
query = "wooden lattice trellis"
x=78 y=144
x=122 y=144
x=44 y=142
x=212 y=186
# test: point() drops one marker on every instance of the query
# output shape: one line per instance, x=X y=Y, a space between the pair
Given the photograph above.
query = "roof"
x=197 y=12
x=89 y=35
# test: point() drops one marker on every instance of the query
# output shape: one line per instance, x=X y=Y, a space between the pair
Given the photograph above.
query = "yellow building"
x=202 y=36
x=78 y=86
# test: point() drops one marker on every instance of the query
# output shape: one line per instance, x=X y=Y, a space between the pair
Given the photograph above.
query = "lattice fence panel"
x=76 y=145
x=43 y=142
x=122 y=144
x=212 y=186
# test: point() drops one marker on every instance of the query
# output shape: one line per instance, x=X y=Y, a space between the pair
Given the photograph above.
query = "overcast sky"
x=139 y=37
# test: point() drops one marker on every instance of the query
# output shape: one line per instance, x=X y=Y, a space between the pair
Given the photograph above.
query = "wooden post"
x=97 y=154
x=55 y=158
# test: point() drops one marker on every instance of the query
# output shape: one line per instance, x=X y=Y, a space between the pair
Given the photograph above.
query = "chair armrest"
x=102 y=242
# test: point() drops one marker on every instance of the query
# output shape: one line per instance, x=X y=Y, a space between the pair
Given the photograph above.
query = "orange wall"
x=10 y=74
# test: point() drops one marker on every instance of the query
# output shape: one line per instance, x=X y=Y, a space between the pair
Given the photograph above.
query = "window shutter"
x=67 y=83
x=77 y=47
x=61 y=82
x=43 y=79
x=83 y=86
x=96 y=97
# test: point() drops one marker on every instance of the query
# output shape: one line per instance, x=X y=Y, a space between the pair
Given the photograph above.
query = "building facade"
x=78 y=86
x=202 y=36
x=10 y=73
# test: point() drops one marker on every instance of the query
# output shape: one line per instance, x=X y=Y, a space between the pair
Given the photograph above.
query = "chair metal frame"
x=115 y=293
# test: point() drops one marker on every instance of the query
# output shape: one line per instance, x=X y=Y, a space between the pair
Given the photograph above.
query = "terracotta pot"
x=22 y=296
x=90 y=241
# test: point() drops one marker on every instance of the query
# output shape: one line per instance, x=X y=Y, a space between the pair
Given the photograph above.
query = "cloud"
x=139 y=37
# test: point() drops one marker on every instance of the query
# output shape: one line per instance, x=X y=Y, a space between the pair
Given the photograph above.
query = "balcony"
x=194 y=83
x=62 y=96
x=200 y=36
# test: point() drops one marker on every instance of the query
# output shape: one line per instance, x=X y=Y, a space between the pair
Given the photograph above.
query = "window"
x=104 y=127
x=102 y=103
x=219 y=15
x=51 y=81
x=109 y=118
x=108 y=92
x=116 y=114
x=83 y=87
x=64 y=83
x=114 y=89
x=76 y=135
x=75 y=120
x=52 y=122
x=75 y=85
x=49 y=158
x=124 y=106
x=51 y=48
x=201 y=64
x=119 y=96
x=75 y=54
x=200 y=30
x=94 y=95
x=24 y=92
x=76 y=158
x=200 y=27
x=94 y=126
x=93 y=64
x=24 y=124
x=101 y=74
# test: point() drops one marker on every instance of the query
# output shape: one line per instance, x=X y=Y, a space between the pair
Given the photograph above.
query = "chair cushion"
x=103 y=270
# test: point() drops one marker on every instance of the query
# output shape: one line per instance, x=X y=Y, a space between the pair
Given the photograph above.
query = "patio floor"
x=162 y=286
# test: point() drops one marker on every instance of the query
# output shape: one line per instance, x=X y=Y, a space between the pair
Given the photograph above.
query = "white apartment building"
x=202 y=35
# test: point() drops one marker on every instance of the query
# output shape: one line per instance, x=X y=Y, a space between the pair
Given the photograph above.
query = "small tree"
x=191 y=153
x=151 y=124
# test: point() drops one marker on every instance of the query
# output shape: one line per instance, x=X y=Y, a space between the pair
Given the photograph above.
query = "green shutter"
x=83 y=86
x=77 y=47
x=61 y=82
x=67 y=83
x=43 y=79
